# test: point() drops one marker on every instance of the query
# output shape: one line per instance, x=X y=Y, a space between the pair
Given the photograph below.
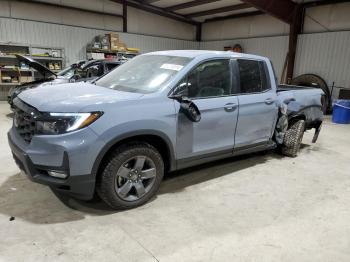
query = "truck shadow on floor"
x=37 y=204
x=180 y=180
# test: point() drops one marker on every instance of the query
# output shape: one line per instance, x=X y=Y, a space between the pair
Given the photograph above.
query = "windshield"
x=143 y=74
x=69 y=71
x=66 y=73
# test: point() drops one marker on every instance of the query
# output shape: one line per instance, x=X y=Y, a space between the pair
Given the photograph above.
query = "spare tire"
x=315 y=81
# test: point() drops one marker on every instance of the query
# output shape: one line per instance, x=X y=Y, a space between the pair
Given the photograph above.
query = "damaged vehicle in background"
x=159 y=112
x=80 y=71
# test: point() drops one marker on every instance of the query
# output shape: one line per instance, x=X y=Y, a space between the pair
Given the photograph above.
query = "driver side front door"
x=209 y=86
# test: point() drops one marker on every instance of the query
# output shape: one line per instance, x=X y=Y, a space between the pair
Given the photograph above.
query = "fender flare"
x=129 y=135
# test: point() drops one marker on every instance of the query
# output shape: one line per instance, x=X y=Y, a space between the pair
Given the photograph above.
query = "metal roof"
x=194 y=11
x=208 y=10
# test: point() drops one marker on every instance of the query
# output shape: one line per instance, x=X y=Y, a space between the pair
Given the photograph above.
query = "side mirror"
x=74 y=78
x=188 y=108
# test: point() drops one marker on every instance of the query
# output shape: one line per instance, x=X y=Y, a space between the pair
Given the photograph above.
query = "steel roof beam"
x=281 y=9
x=156 y=10
x=234 y=16
x=219 y=10
x=189 y=4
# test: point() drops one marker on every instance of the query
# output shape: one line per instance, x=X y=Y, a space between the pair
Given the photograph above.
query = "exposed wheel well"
x=308 y=125
x=296 y=118
x=154 y=140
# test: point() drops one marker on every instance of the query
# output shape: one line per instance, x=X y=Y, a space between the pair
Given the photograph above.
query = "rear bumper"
x=77 y=186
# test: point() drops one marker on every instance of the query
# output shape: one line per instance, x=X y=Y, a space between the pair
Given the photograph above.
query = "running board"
x=254 y=148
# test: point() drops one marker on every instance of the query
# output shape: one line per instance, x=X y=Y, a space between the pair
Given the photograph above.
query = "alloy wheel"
x=135 y=178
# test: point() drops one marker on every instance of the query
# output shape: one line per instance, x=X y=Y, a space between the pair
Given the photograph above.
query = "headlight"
x=59 y=123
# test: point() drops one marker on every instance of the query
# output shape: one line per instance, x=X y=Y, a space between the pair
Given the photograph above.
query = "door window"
x=111 y=66
x=209 y=79
x=253 y=76
x=94 y=70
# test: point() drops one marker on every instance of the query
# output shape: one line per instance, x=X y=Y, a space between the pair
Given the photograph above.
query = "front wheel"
x=130 y=176
x=292 y=138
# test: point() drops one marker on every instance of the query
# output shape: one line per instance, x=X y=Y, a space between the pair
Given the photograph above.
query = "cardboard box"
x=57 y=66
x=6 y=79
x=113 y=37
x=95 y=55
x=105 y=47
x=119 y=47
x=114 y=41
x=25 y=79
x=51 y=66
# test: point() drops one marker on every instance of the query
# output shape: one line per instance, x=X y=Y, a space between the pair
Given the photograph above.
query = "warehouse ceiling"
x=191 y=11
x=206 y=9
x=209 y=10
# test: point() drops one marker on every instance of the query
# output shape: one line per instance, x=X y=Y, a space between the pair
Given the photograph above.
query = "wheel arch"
x=157 y=139
x=292 y=119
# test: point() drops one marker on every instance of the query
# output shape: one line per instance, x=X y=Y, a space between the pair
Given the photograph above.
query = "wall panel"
x=327 y=18
x=74 y=39
x=273 y=47
x=325 y=54
x=246 y=27
x=140 y=21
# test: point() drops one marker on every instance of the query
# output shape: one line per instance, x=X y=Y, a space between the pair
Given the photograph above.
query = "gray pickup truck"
x=157 y=113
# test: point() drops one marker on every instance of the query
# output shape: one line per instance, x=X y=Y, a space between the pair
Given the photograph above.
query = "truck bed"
x=302 y=100
x=283 y=87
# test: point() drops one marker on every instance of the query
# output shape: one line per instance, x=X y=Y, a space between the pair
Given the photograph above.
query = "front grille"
x=24 y=123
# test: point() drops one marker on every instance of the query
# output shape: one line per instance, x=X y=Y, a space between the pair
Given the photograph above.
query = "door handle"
x=269 y=101
x=229 y=107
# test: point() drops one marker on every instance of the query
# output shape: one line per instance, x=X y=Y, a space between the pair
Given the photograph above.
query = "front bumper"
x=42 y=155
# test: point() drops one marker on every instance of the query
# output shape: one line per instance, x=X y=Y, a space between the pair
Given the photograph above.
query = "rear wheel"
x=292 y=138
x=130 y=176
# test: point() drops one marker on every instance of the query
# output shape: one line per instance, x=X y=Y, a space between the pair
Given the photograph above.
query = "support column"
x=295 y=29
x=125 y=16
x=199 y=32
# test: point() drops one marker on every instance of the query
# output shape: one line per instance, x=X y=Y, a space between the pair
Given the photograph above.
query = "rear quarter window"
x=253 y=76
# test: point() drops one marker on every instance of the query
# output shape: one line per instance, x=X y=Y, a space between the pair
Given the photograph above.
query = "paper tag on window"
x=172 y=67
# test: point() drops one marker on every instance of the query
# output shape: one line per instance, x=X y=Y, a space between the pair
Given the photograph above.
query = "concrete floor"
x=261 y=207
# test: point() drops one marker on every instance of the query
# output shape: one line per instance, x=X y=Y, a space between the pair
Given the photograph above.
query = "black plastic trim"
x=130 y=135
x=209 y=157
x=80 y=186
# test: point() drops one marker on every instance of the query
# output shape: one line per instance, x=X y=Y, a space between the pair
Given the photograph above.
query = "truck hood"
x=36 y=65
x=72 y=97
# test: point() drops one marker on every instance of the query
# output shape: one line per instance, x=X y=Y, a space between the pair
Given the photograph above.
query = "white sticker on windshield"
x=172 y=67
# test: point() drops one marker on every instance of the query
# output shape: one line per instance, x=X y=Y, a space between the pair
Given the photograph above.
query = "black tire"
x=292 y=139
x=107 y=183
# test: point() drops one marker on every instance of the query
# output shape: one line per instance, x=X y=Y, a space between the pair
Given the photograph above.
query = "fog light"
x=58 y=174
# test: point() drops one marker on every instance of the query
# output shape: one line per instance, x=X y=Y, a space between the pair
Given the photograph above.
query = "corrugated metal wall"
x=74 y=39
x=273 y=47
x=327 y=55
